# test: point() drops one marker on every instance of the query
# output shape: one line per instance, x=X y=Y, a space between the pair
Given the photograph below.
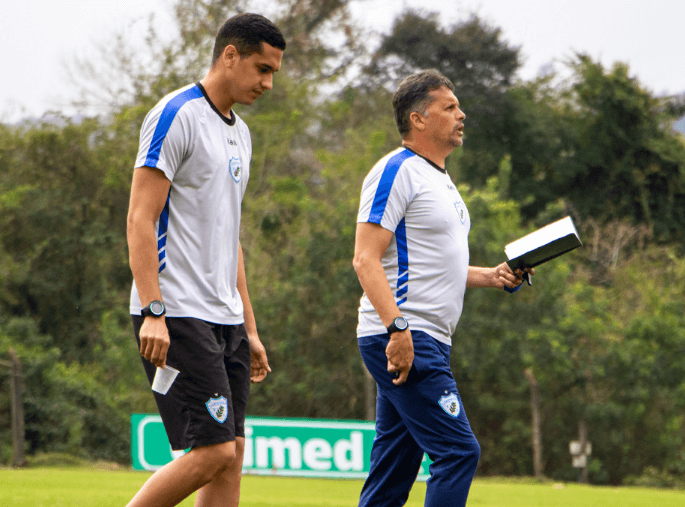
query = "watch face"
x=401 y=323
x=157 y=308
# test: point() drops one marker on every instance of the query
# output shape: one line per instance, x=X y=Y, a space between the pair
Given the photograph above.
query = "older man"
x=412 y=260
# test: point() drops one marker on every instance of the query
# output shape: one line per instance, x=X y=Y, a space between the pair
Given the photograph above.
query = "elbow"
x=357 y=263
x=361 y=263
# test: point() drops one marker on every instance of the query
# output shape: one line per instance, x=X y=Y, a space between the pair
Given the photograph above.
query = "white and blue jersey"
x=427 y=261
x=206 y=157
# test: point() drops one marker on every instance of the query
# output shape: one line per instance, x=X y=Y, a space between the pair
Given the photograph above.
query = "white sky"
x=38 y=36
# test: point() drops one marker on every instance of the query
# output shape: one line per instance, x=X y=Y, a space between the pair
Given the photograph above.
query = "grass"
x=105 y=486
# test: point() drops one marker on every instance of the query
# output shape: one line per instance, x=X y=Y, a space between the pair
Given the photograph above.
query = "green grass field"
x=83 y=487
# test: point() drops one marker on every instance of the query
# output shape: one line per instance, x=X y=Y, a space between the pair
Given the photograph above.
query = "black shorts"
x=206 y=403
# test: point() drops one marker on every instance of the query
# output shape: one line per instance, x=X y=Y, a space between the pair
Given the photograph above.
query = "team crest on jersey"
x=218 y=408
x=450 y=404
x=235 y=168
x=461 y=210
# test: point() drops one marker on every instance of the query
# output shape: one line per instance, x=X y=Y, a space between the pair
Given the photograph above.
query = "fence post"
x=16 y=391
x=535 y=411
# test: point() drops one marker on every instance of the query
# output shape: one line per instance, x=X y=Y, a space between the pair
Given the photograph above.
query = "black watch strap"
x=154 y=309
x=399 y=324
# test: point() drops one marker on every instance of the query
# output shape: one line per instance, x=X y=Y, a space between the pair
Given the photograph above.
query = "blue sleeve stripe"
x=380 y=200
x=165 y=120
x=402 y=261
x=161 y=243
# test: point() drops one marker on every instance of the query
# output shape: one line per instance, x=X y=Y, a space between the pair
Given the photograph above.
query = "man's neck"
x=427 y=151
x=216 y=90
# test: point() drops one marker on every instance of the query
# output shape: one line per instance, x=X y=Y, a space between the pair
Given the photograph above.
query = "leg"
x=395 y=460
x=224 y=488
x=395 y=455
x=434 y=414
x=175 y=481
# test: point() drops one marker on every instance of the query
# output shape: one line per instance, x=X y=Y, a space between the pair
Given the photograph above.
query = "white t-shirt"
x=427 y=261
x=206 y=156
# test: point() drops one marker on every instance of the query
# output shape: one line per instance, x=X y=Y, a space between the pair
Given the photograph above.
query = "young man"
x=189 y=301
x=412 y=259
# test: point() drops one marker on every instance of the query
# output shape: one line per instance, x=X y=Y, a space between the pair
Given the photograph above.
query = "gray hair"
x=413 y=96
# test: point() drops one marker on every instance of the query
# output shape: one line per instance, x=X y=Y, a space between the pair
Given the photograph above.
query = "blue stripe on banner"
x=162 y=231
x=380 y=200
x=165 y=121
x=402 y=260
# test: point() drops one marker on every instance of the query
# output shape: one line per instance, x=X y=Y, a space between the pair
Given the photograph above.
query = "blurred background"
x=595 y=347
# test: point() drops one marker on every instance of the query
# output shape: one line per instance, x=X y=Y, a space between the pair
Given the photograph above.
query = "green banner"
x=275 y=446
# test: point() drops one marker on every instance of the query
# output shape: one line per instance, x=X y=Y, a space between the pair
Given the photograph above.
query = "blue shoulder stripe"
x=165 y=120
x=380 y=200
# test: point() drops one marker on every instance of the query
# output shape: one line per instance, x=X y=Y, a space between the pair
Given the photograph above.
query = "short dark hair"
x=246 y=32
x=413 y=95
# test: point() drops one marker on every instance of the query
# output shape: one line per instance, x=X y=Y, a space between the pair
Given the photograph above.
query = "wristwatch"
x=399 y=324
x=154 y=309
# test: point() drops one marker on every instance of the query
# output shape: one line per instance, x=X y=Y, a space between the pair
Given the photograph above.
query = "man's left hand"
x=260 y=364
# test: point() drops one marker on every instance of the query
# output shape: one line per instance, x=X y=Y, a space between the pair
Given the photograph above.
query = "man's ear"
x=230 y=56
x=418 y=121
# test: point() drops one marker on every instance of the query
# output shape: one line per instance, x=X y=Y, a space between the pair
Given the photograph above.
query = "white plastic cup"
x=164 y=377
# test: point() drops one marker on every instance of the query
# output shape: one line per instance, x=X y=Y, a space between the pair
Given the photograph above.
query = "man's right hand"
x=400 y=354
x=154 y=340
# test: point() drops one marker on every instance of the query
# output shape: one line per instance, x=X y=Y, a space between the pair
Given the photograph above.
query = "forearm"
x=481 y=277
x=375 y=284
x=248 y=313
x=144 y=260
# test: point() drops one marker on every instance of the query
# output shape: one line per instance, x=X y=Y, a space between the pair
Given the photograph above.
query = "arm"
x=149 y=192
x=260 y=365
x=497 y=277
x=371 y=242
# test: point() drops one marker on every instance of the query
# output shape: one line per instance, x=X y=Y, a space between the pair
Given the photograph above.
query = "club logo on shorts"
x=450 y=404
x=218 y=408
x=235 y=169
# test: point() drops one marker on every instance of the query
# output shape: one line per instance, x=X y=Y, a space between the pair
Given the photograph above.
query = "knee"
x=466 y=456
x=214 y=459
x=474 y=451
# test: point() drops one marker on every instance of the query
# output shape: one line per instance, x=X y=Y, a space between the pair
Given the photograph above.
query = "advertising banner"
x=275 y=446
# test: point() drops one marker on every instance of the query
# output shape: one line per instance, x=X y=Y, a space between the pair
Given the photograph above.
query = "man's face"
x=253 y=75
x=444 y=120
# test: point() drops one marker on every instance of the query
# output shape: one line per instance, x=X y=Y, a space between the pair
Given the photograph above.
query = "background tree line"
x=602 y=329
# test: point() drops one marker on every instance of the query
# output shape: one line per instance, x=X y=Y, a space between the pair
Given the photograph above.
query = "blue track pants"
x=423 y=415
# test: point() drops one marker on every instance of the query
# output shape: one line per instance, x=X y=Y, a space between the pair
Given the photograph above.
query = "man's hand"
x=505 y=277
x=260 y=364
x=400 y=354
x=154 y=340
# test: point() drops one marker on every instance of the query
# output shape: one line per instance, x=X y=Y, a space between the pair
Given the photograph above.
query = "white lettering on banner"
x=248 y=456
x=317 y=453
x=278 y=448
x=354 y=448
